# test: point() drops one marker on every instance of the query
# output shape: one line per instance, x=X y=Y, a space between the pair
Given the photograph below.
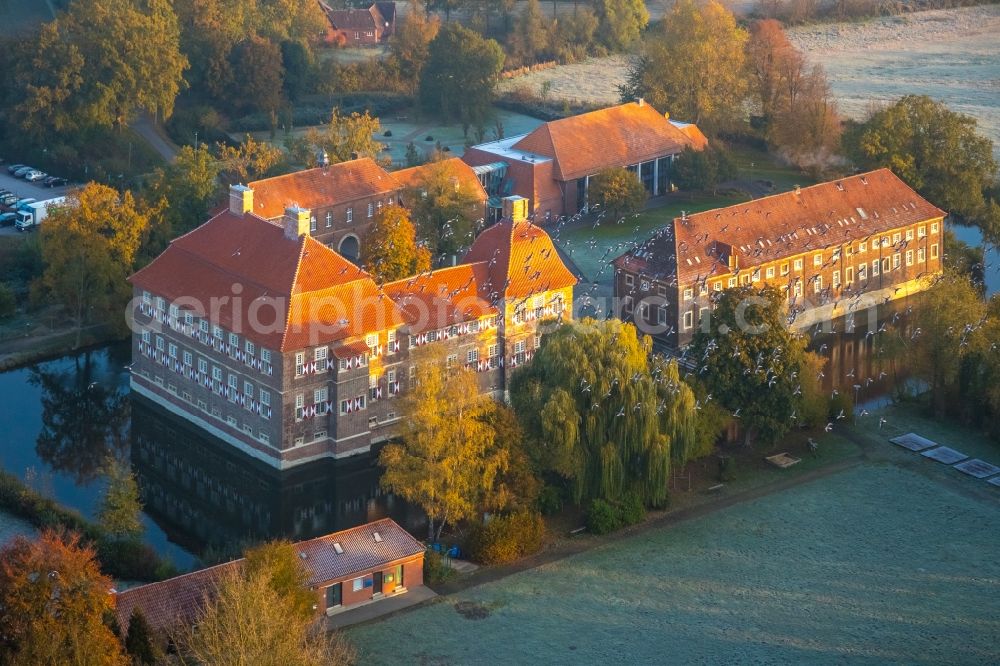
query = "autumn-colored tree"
x=89 y=247
x=186 y=189
x=120 y=513
x=460 y=77
x=598 y=414
x=96 y=64
x=248 y=161
x=617 y=191
x=751 y=362
x=702 y=170
x=259 y=75
x=347 y=137
x=693 y=65
x=767 y=49
x=620 y=22
x=246 y=620
x=530 y=38
x=446 y=209
x=53 y=600
x=280 y=564
x=389 y=250
x=409 y=44
x=446 y=459
x=937 y=151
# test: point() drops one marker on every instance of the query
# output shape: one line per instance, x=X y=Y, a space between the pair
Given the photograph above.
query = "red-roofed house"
x=833 y=248
x=361 y=27
x=365 y=563
x=272 y=342
x=551 y=165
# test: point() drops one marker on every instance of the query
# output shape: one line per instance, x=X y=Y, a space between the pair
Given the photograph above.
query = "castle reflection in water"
x=213 y=499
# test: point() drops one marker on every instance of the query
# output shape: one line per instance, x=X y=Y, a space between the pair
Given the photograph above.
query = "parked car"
x=23 y=171
x=7 y=219
x=21 y=204
x=8 y=199
x=55 y=181
x=35 y=175
x=14 y=167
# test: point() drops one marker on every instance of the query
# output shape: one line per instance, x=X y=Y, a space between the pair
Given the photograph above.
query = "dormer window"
x=378 y=537
x=337 y=548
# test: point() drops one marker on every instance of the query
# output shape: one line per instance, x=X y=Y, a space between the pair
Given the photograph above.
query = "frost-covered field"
x=874 y=565
x=952 y=55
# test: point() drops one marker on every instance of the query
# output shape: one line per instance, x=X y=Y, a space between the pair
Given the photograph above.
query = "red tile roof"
x=437 y=299
x=321 y=187
x=520 y=258
x=300 y=292
x=782 y=225
x=179 y=599
x=616 y=136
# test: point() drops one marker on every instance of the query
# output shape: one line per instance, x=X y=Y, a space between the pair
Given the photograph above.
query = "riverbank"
x=42 y=343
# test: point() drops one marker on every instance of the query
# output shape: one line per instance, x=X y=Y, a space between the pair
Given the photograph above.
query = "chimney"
x=240 y=200
x=296 y=222
x=324 y=159
x=640 y=101
x=516 y=208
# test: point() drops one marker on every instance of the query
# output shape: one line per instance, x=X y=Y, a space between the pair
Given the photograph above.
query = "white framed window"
x=371 y=340
x=798 y=288
x=895 y=261
x=265 y=397
x=159 y=343
x=320 y=395
x=320 y=353
x=160 y=303
x=202 y=366
x=770 y=272
x=862 y=247
x=849 y=275
x=909 y=234
x=934 y=228
x=909 y=257
x=357 y=584
x=234 y=340
x=329 y=220
x=688 y=294
x=836 y=279
x=755 y=276
x=817 y=260
x=217 y=373
x=629 y=280
x=300 y=360
x=350 y=215
x=875 y=265
x=249 y=348
x=451 y=361
x=896 y=237
x=390 y=376
x=264 y=437
x=863 y=272
x=688 y=319
x=188 y=318
x=217 y=333
x=371 y=209
x=203 y=325
x=233 y=381
x=491 y=351
x=146 y=297
x=188 y=358
x=732 y=282
x=798 y=264
x=921 y=231
x=390 y=340
x=921 y=255
x=784 y=268
x=472 y=356
x=146 y=337
x=312 y=223
x=717 y=286
x=818 y=284
x=644 y=285
x=934 y=251
x=248 y=389
x=265 y=355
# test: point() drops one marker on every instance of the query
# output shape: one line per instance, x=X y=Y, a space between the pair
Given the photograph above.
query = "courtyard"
x=879 y=563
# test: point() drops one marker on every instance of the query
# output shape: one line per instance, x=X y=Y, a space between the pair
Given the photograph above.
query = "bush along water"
x=507 y=538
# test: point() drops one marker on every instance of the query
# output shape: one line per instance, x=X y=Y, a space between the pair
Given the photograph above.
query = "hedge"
x=507 y=538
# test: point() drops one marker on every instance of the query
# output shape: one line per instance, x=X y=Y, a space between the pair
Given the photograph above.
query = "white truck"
x=32 y=214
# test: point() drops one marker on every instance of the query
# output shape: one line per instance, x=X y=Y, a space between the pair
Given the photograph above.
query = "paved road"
x=147 y=128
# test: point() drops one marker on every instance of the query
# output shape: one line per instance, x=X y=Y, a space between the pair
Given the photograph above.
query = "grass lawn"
x=876 y=564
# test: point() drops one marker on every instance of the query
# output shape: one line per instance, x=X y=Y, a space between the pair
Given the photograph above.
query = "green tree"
x=445 y=208
x=53 y=600
x=297 y=61
x=102 y=61
x=120 y=513
x=597 y=414
x=409 y=44
x=693 y=66
x=702 y=170
x=187 y=189
x=140 y=643
x=751 y=362
x=620 y=22
x=938 y=152
x=8 y=303
x=390 y=251
x=347 y=137
x=446 y=459
x=618 y=191
x=460 y=77
x=89 y=247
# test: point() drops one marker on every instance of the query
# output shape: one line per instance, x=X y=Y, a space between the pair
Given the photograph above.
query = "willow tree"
x=598 y=413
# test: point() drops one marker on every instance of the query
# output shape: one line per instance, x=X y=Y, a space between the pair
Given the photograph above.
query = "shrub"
x=842 y=402
x=631 y=510
x=132 y=560
x=727 y=468
x=602 y=518
x=507 y=538
x=550 y=501
x=8 y=304
x=435 y=570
